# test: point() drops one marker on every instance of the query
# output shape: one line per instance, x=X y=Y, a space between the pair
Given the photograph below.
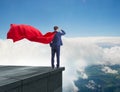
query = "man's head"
x=56 y=28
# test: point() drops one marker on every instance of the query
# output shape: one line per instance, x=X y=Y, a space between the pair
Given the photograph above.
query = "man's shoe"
x=53 y=67
x=57 y=66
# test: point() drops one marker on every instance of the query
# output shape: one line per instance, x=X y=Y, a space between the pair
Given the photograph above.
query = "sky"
x=79 y=18
x=92 y=27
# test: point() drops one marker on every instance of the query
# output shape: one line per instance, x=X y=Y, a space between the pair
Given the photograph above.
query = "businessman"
x=55 y=46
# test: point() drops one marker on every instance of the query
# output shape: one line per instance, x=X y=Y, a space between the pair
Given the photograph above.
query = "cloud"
x=107 y=69
x=82 y=74
x=91 y=85
x=76 y=54
x=111 y=55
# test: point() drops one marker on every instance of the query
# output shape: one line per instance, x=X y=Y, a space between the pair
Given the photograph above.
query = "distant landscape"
x=99 y=79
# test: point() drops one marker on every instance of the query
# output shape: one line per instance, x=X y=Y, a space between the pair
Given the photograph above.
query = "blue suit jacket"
x=57 y=41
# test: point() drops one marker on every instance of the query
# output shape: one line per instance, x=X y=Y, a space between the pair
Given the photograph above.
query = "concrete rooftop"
x=11 y=76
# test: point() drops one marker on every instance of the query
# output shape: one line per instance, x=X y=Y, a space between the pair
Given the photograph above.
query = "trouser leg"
x=58 y=56
x=52 y=57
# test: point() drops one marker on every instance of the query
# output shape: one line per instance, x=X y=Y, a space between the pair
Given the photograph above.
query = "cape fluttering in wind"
x=19 y=32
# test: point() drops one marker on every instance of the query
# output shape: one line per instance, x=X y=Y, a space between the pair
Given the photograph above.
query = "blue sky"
x=79 y=18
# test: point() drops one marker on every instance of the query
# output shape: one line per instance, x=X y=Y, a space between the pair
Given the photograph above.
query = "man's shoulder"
x=58 y=33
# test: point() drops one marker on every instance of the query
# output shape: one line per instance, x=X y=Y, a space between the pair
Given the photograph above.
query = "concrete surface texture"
x=30 y=79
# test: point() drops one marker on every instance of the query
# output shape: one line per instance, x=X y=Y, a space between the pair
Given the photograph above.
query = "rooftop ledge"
x=30 y=79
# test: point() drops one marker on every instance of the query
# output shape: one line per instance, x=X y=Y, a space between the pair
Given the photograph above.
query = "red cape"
x=19 y=32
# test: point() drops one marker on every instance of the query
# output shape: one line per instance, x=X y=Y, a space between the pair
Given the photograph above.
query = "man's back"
x=57 y=39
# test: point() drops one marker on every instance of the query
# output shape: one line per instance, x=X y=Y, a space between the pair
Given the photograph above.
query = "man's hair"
x=56 y=27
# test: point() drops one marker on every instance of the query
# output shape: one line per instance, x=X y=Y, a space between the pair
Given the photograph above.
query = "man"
x=55 y=46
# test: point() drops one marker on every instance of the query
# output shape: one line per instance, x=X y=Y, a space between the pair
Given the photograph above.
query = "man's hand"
x=60 y=30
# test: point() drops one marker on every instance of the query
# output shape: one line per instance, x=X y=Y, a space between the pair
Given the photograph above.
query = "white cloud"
x=82 y=74
x=76 y=54
x=91 y=85
x=112 y=55
x=107 y=69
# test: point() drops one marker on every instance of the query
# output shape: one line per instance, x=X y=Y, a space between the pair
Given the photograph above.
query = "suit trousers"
x=55 y=50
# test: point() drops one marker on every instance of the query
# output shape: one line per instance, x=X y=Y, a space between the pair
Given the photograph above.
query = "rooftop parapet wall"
x=30 y=79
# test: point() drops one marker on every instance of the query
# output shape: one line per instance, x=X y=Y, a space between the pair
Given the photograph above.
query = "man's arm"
x=50 y=44
x=62 y=32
